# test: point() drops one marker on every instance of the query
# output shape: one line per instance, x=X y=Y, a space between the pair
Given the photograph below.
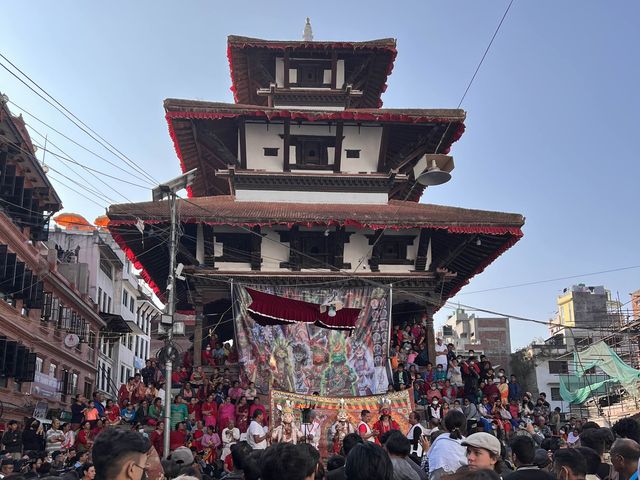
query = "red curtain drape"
x=267 y=309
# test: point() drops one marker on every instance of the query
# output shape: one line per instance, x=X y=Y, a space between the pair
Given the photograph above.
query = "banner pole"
x=389 y=368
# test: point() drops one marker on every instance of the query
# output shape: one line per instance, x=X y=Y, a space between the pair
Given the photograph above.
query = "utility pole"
x=170 y=190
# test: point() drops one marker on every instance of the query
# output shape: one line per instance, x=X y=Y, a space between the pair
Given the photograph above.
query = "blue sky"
x=550 y=134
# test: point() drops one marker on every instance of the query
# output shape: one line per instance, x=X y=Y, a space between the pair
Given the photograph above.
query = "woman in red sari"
x=242 y=414
x=196 y=436
x=385 y=424
x=210 y=412
x=84 y=439
x=112 y=412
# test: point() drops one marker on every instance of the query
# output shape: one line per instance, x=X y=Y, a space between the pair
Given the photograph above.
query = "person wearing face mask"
x=569 y=464
x=433 y=392
x=435 y=410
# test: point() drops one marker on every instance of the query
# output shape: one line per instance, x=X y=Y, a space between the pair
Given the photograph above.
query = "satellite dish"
x=433 y=176
x=71 y=340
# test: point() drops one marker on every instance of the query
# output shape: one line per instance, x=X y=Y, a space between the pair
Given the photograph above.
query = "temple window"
x=235 y=247
x=270 y=152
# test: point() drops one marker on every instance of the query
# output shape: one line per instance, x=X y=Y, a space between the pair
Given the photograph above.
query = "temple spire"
x=307 y=35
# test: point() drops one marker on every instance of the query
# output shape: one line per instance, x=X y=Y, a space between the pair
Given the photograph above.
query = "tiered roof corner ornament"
x=307 y=34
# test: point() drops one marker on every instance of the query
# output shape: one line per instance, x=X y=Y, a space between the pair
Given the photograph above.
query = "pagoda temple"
x=307 y=194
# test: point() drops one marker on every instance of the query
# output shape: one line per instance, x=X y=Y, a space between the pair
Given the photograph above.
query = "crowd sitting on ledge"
x=469 y=423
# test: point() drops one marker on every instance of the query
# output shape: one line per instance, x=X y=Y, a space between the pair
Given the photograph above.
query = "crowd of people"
x=469 y=422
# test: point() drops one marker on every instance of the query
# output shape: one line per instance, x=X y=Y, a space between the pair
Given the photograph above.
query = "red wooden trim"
x=467 y=229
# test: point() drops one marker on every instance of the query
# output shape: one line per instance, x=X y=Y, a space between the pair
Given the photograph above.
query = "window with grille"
x=88 y=389
x=557 y=367
x=47 y=305
x=270 y=152
x=555 y=394
x=106 y=267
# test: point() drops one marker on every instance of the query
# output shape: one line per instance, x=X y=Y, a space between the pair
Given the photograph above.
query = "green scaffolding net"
x=577 y=388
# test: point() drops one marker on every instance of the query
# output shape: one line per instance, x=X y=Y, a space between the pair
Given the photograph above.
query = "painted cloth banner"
x=326 y=411
x=304 y=358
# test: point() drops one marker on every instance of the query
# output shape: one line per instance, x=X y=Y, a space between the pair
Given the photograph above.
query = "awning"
x=115 y=323
x=135 y=329
x=267 y=309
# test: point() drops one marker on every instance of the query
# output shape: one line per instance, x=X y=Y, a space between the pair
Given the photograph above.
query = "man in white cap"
x=483 y=450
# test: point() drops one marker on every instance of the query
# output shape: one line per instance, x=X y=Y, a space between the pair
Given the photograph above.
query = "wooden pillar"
x=286 y=143
x=256 y=248
x=197 y=334
x=294 y=248
x=337 y=160
x=431 y=336
x=243 y=144
x=200 y=244
x=285 y=61
x=334 y=70
x=376 y=251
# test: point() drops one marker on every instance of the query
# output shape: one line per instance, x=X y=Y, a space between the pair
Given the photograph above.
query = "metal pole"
x=171 y=310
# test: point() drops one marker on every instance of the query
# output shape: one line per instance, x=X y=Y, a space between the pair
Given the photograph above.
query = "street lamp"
x=170 y=190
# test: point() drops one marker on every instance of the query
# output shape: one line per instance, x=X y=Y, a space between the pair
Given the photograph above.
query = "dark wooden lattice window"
x=316 y=251
x=235 y=247
x=312 y=151
x=310 y=75
x=270 y=152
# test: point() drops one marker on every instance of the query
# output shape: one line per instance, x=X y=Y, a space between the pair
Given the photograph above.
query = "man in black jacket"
x=350 y=441
x=12 y=440
x=523 y=450
x=148 y=373
x=400 y=378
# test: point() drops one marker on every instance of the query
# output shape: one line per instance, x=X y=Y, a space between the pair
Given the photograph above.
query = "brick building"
x=488 y=336
x=48 y=327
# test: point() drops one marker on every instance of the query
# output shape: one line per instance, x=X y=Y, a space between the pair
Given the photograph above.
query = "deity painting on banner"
x=305 y=358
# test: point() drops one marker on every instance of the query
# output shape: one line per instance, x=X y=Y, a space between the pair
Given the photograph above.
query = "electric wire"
x=94 y=190
x=119 y=167
x=72 y=118
x=380 y=233
x=75 y=191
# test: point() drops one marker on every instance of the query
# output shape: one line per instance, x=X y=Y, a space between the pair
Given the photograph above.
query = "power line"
x=550 y=280
x=71 y=160
x=76 y=143
x=444 y=134
x=93 y=190
x=75 y=191
x=72 y=118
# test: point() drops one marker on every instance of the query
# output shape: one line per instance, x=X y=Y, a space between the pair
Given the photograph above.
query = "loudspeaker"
x=28 y=372
x=3 y=353
x=21 y=363
x=10 y=359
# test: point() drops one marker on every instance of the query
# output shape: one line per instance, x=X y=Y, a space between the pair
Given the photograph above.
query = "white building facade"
x=123 y=304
